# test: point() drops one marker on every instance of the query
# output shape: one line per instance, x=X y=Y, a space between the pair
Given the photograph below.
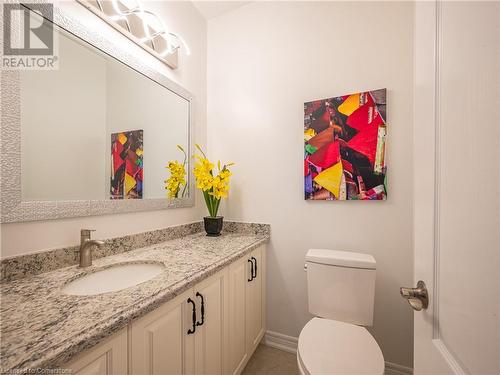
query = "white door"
x=457 y=179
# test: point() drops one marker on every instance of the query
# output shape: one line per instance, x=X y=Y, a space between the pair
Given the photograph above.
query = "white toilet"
x=341 y=289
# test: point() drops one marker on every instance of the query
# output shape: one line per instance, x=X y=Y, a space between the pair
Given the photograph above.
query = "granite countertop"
x=41 y=327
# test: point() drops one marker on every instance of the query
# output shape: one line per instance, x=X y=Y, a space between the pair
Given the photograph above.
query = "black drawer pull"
x=198 y=294
x=192 y=330
x=251 y=271
x=254 y=276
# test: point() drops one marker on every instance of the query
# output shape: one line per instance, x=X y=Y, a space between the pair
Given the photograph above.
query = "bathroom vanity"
x=217 y=337
x=204 y=314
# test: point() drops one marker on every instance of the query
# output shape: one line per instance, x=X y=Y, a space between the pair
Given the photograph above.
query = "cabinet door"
x=255 y=300
x=107 y=358
x=160 y=344
x=211 y=335
x=239 y=273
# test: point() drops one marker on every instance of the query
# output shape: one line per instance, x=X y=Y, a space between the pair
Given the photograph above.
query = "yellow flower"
x=176 y=179
x=225 y=174
x=220 y=184
x=203 y=173
x=214 y=187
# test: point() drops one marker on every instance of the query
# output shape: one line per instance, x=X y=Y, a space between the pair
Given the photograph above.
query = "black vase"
x=213 y=225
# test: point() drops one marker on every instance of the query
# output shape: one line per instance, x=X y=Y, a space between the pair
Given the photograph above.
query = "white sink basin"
x=114 y=278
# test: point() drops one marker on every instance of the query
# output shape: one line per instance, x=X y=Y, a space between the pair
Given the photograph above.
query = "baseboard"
x=395 y=369
x=281 y=341
x=289 y=344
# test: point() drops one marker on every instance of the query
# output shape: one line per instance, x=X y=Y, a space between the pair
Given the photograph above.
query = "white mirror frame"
x=13 y=208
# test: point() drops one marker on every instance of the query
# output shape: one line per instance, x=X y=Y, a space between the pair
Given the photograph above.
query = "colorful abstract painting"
x=127 y=165
x=344 y=147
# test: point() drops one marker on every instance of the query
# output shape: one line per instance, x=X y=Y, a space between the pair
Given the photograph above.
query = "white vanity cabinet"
x=159 y=343
x=184 y=336
x=255 y=301
x=211 y=329
x=107 y=358
x=246 y=308
x=210 y=338
x=238 y=278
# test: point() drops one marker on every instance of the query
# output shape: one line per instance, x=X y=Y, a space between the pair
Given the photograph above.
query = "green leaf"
x=217 y=203
x=200 y=149
x=207 y=201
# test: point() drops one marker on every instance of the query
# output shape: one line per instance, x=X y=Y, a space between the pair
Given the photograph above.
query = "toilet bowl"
x=330 y=347
x=341 y=293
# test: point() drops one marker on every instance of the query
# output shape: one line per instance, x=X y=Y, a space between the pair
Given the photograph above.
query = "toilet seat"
x=330 y=347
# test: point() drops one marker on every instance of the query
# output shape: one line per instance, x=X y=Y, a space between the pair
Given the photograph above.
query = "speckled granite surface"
x=34 y=264
x=43 y=328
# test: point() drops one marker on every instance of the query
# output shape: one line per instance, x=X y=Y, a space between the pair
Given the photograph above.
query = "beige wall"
x=265 y=60
x=183 y=18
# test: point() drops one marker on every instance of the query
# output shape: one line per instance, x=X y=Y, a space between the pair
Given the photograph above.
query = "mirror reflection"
x=95 y=129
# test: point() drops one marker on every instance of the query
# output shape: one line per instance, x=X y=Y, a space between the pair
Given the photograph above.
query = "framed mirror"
x=93 y=136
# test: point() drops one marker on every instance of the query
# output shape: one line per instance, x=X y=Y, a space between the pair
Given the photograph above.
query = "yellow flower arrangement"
x=177 y=176
x=214 y=187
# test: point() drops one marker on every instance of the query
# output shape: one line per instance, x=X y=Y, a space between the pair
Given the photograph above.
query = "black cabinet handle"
x=251 y=270
x=198 y=294
x=192 y=330
x=254 y=276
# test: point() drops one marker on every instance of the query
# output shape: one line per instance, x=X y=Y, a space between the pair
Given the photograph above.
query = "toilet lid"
x=329 y=347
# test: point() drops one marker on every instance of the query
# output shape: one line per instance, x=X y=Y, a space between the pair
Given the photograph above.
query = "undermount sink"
x=114 y=278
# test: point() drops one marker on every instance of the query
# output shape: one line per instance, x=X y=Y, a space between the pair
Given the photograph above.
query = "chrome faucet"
x=86 y=244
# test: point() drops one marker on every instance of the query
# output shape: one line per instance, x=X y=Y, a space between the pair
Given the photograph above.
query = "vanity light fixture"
x=142 y=26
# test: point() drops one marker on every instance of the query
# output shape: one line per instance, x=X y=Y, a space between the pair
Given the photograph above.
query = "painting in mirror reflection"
x=127 y=170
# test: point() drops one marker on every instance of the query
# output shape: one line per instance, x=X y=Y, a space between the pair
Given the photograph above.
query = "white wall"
x=265 y=60
x=184 y=19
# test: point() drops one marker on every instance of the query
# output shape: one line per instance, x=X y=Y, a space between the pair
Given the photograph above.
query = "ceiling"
x=211 y=9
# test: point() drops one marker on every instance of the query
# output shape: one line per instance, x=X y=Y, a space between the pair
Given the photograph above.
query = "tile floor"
x=270 y=361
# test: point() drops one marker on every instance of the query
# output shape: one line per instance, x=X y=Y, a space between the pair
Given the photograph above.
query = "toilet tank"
x=341 y=285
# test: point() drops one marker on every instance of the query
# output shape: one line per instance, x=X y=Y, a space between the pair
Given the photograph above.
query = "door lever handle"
x=418 y=298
